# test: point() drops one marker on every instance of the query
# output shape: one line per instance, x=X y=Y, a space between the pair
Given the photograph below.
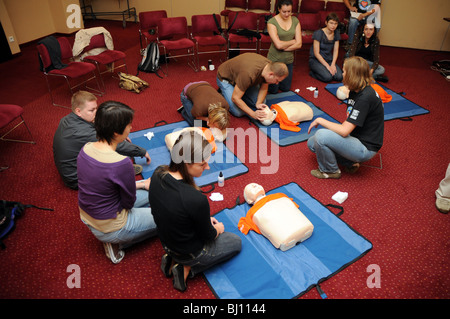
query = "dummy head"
x=252 y=192
x=269 y=115
x=342 y=92
x=84 y=104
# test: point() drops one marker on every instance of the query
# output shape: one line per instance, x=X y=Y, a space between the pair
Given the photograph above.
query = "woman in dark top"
x=193 y=240
x=358 y=138
x=324 y=51
x=367 y=45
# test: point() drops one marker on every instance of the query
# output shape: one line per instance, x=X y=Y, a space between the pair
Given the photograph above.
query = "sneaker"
x=166 y=265
x=137 y=169
x=319 y=174
x=178 y=277
x=381 y=78
x=113 y=252
x=180 y=109
x=443 y=205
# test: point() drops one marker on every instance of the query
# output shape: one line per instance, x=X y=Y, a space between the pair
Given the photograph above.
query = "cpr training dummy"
x=343 y=92
x=207 y=133
x=276 y=217
x=288 y=114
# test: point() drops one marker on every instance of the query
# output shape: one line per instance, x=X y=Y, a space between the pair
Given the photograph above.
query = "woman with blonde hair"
x=192 y=239
x=359 y=137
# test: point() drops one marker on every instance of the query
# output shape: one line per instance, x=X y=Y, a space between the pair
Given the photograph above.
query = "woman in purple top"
x=112 y=204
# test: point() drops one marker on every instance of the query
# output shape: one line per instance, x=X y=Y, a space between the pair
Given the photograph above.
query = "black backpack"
x=150 y=59
x=9 y=212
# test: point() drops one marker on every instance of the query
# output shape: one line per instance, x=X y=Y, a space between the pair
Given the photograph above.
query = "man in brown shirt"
x=244 y=81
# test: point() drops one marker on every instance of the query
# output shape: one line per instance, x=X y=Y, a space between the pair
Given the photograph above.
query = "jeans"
x=187 y=108
x=378 y=71
x=250 y=97
x=284 y=85
x=321 y=73
x=225 y=246
x=139 y=226
x=331 y=149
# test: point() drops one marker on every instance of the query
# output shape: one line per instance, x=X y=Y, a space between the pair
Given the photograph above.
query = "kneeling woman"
x=193 y=240
x=110 y=204
x=358 y=138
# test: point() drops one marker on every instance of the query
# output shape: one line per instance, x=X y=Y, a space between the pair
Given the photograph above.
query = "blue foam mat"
x=223 y=160
x=260 y=271
x=284 y=137
x=398 y=107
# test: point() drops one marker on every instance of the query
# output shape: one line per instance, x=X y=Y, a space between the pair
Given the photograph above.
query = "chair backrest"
x=337 y=7
x=309 y=21
x=149 y=19
x=66 y=48
x=262 y=20
x=244 y=20
x=176 y=26
x=97 y=41
x=259 y=4
x=204 y=23
x=312 y=6
x=236 y=4
x=294 y=6
x=44 y=55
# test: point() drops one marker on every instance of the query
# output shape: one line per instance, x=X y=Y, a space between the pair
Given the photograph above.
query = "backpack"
x=9 y=212
x=150 y=60
x=131 y=83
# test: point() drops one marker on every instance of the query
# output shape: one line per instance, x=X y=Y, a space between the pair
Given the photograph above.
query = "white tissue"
x=311 y=88
x=149 y=135
x=297 y=90
x=340 y=197
x=216 y=197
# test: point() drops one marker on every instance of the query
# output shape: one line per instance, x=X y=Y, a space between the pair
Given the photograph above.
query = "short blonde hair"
x=80 y=98
x=218 y=116
x=357 y=73
x=279 y=69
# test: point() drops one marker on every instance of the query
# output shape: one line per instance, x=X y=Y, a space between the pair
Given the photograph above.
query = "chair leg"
x=20 y=141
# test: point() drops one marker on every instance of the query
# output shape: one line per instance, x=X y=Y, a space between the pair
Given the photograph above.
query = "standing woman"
x=192 y=239
x=367 y=45
x=358 y=138
x=324 y=51
x=285 y=33
x=112 y=204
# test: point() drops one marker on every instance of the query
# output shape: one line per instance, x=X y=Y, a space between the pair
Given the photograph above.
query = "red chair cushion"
x=74 y=69
x=210 y=40
x=106 y=57
x=177 y=44
x=8 y=113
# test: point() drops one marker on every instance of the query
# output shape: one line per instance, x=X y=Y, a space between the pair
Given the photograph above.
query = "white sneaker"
x=114 y=253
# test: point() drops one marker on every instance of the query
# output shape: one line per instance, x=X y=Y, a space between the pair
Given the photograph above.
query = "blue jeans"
x=250 y=97
x=187 y=108
x=331 y=149
x=284 y=85
x=225 y=246
x=140 y=225
x=321 y=73
x=378 y=71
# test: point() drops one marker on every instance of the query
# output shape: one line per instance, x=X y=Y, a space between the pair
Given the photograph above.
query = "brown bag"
x=131 y=83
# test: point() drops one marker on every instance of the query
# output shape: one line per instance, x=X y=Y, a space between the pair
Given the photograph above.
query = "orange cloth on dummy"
x=210 y=138
x=282 y=119
x=246 y=223
x=384 y=96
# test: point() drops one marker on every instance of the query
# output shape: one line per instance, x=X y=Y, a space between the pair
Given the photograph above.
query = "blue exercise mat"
x=260 y=271
x=399 y=107
x=284 y=137
x=223 y=160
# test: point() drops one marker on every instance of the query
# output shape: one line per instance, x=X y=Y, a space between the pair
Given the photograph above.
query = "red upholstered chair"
x=106 y=58
x=333 y=6
x=206 y=34
x=259 y=5
x=177 y=30
x=244 y=20
x=312 y=6
x=309 y=23
x=233 y=6
x=72 y=72
x=8 y=114
x=148 y=25
x=265 y=41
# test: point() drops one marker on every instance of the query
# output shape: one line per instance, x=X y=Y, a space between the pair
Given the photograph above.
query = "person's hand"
x=143 y=184
x=314 y=123
x=259 y=115
x=261 y=106
x=147 y=156
x=220 y=228
x=333 y=69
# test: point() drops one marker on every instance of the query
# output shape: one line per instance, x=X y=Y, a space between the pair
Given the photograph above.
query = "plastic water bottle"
x=316 y=93
x=221 y=180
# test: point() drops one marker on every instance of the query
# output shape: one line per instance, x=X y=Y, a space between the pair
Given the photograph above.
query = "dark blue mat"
x=284 y=137
x=399 y=107
x=260 y=271
x=223 y=160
